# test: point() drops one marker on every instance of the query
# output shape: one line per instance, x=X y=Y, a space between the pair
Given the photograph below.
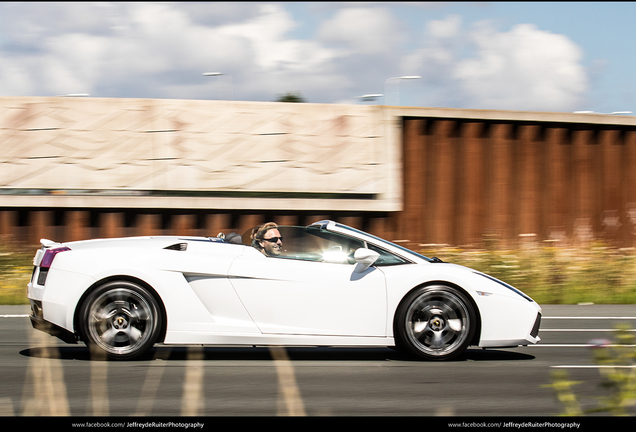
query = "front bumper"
x=531 y=338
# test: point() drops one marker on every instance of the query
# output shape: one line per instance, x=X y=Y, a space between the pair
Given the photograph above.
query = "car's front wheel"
x=435 y=322
x=120 y=319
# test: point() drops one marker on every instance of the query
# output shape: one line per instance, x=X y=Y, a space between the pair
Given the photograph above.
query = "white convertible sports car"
x=329 y=285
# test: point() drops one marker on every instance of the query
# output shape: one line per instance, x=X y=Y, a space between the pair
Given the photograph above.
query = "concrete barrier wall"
x=143 y=153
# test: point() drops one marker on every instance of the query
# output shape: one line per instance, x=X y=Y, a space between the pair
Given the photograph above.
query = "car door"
x=298 y=296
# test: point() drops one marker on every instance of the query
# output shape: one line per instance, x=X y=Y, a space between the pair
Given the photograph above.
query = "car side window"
x=318 y=245
x=386 y=258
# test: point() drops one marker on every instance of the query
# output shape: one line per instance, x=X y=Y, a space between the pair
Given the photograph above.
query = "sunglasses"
x=274 y=239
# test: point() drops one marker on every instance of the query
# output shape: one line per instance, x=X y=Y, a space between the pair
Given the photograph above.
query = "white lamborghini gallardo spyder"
x=331 y=285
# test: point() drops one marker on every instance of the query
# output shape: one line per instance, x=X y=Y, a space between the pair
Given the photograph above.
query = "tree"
x=290 y=97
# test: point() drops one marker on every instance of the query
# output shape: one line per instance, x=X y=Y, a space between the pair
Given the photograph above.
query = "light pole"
x=216 y=74
x=612 y=113
x=368 y=97
x=400 y=78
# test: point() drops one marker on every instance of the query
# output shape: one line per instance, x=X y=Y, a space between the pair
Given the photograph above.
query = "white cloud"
x=72 y=63
x=160 y=50
x=525 y=68
x=13 y=79
x=273 y=51
x=362 y=31
x=439 y=50
x=522 y=69
x=447 y=28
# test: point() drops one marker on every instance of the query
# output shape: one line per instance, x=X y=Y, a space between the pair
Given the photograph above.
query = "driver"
x=267 y=239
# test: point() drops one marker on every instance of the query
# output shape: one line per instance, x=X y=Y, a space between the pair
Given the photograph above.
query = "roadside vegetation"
x=16 y=266
x=617 y=395
x=595 y=273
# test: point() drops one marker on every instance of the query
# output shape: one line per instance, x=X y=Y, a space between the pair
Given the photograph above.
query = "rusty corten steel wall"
x=466 y=180
x=28 y=225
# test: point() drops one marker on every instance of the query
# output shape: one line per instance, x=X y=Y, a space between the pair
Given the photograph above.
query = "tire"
x=121 y=320
x=435 y=322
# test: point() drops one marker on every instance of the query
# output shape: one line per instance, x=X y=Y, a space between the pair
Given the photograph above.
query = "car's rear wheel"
x=120 y=319
x=435 y=322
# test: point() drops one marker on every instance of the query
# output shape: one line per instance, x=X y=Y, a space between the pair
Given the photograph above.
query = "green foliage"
x=618 y=373
x=617 y=366
x=290 y=97
x=16 y=267
x=562 y=387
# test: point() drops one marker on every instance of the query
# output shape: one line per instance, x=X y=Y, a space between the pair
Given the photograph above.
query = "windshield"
x=382 y=241
x=314 y=243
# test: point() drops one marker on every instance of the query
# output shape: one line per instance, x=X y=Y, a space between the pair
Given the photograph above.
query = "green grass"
x=551 y=275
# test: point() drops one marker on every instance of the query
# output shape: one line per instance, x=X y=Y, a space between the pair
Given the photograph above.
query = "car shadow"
x=182 y=353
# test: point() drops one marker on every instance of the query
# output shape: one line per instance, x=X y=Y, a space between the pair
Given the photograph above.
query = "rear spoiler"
x=49 y=243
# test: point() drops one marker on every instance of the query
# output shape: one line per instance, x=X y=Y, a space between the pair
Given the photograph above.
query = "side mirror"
x=364 y=259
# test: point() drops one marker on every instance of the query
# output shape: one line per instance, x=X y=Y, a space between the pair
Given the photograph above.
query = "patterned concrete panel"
x=80 y=146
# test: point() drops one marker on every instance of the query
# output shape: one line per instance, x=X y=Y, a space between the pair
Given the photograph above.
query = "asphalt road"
x=40 y=375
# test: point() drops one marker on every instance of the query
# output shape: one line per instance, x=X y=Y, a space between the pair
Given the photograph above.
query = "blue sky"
x=603 y=30
x=529 y=56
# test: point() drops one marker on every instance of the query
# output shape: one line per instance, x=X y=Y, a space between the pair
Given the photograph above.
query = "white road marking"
x=576 y=345
x=590 y=318
x=582 y=330
x=593 y=367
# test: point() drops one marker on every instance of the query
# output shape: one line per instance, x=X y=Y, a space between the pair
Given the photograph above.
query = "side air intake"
x=177 y=247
